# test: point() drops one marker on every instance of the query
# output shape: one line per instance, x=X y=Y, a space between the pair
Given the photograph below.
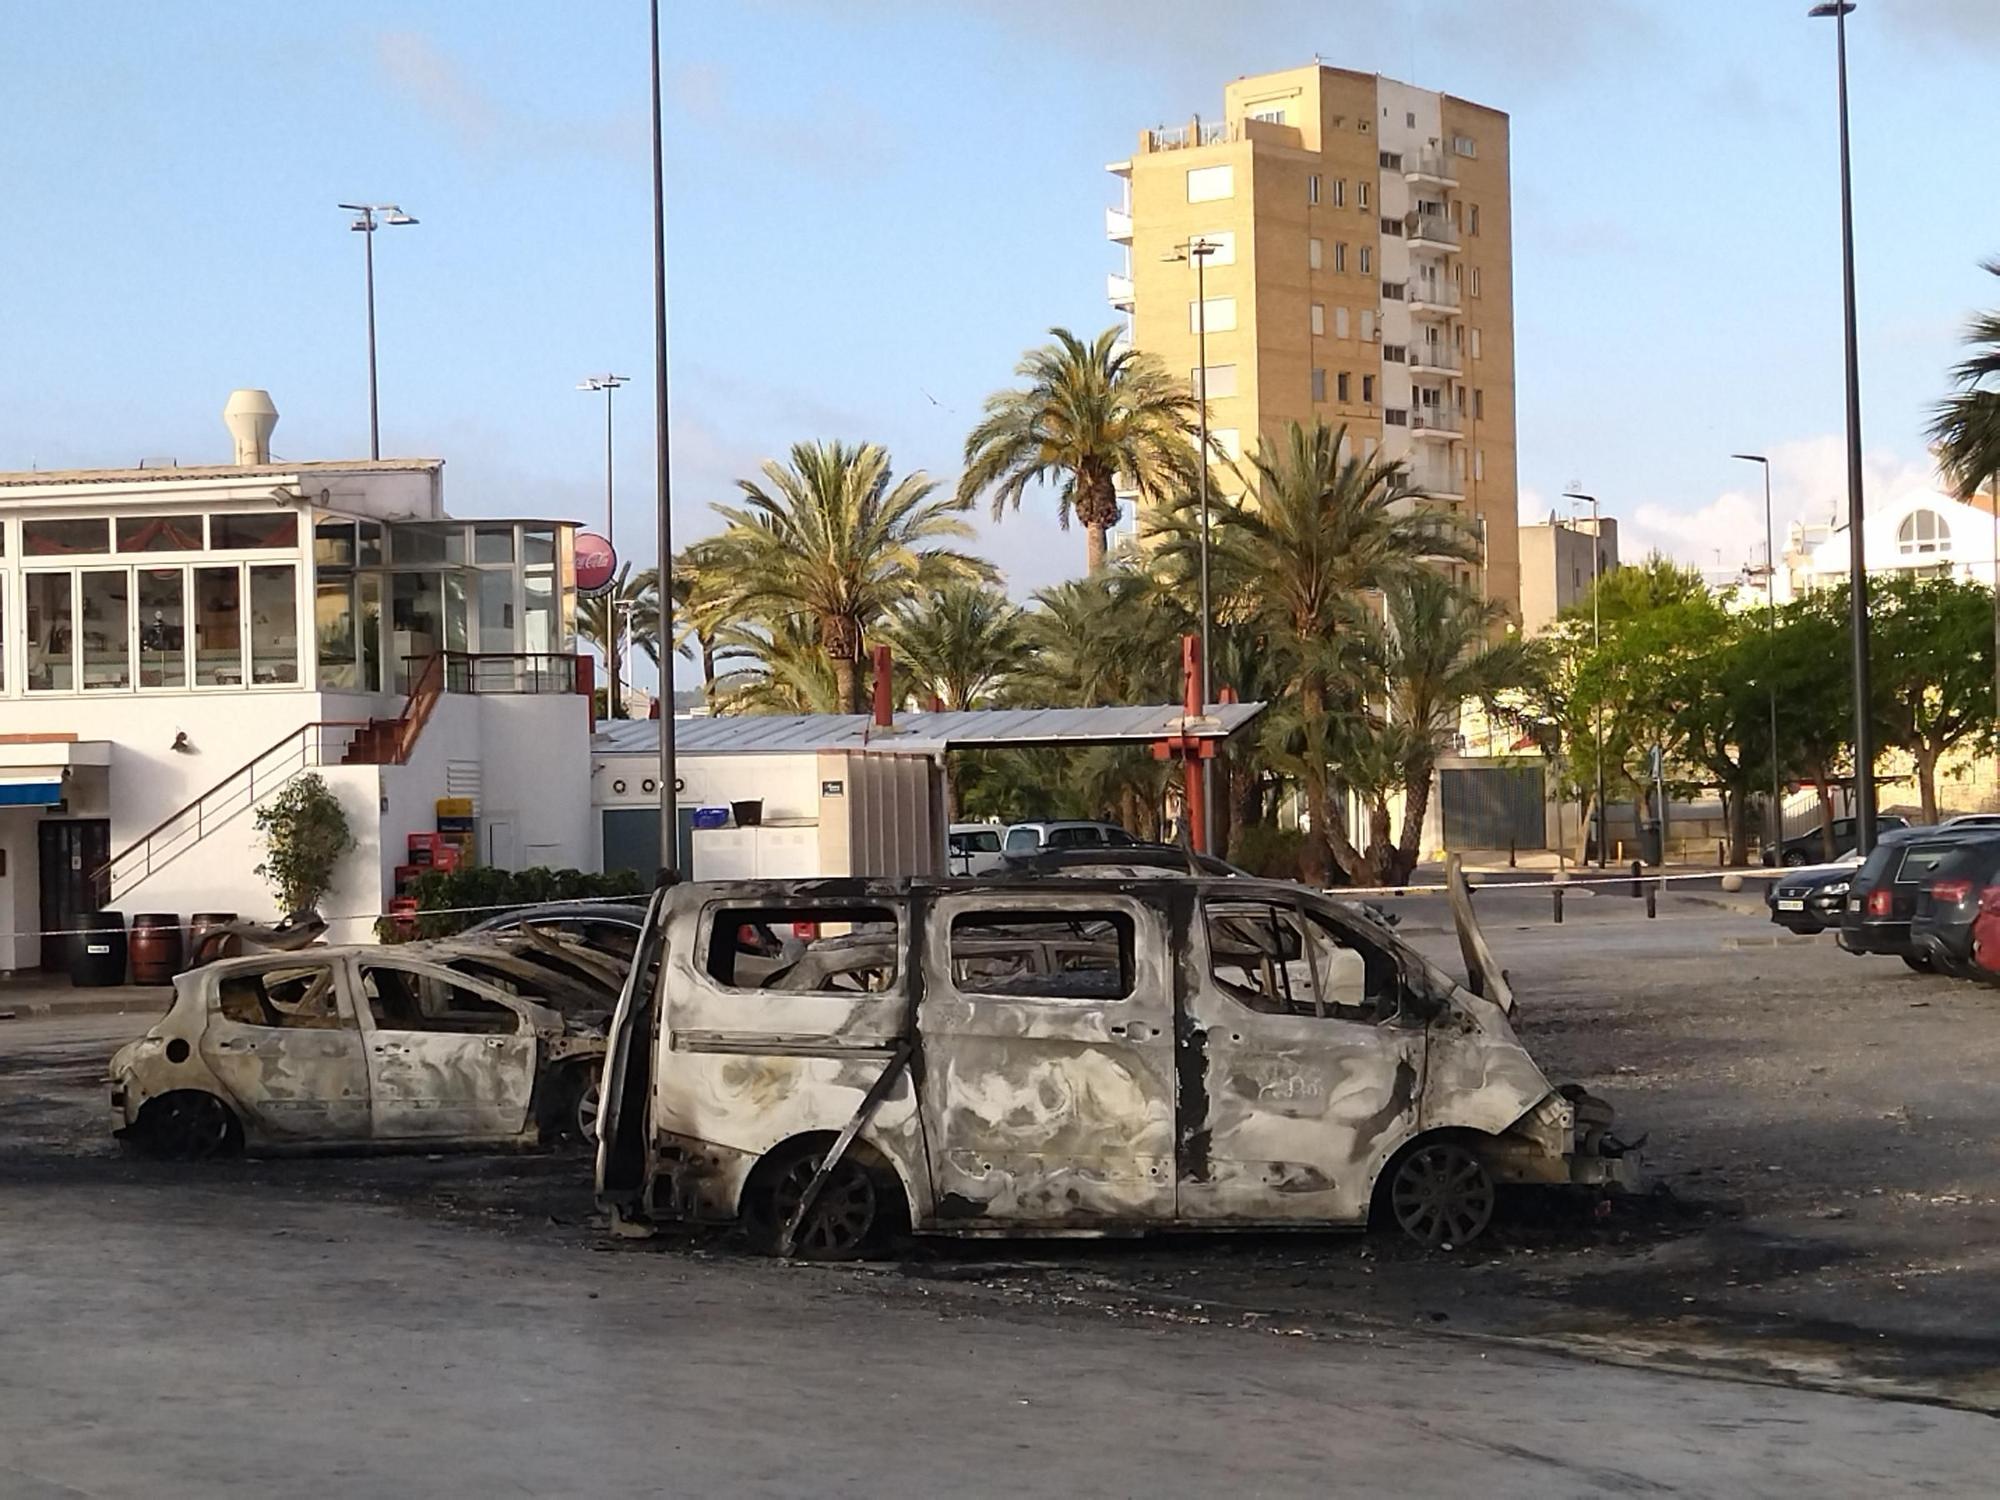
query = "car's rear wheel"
x=1918 y=961
x=187 y=1125
x=567 y=1113
x=1793 y=858
x=1441 y=1195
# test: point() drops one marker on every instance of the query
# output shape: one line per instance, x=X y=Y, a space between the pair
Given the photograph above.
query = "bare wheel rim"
x=1442 y=1196
x=843 y=1215
x=193 y=1126
x=586 y=1112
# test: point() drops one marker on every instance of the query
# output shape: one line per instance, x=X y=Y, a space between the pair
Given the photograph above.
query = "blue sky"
x=874 y=206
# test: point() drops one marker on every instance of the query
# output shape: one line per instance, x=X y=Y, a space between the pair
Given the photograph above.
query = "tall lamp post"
x=670 y=818
x=365 y=225
x=1857 y=566
x=1597 y=644
x=1777 y=818
x=1198 y=251
x=608 y=384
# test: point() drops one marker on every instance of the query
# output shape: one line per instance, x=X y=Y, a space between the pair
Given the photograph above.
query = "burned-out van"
x=832 y=1060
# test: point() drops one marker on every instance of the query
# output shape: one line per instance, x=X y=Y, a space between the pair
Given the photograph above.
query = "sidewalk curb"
x=46 y=1010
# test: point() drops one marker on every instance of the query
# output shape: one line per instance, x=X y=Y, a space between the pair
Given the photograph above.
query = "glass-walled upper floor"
x=244 y=598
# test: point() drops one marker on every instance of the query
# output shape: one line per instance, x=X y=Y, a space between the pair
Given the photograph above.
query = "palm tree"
x=834 y=540
x=628 y=609
x=1321 y=530
x=1091 y=414
x=701 y=605
x=774 y=668
x=1966 y=425
x=957 y=644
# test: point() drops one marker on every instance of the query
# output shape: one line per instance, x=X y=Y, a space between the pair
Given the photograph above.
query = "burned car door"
x=1048 y=1085
x=1300 y=1070
x=445 y=1058
x=282 y=1037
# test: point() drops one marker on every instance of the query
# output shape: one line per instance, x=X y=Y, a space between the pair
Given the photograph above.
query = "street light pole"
x=1597 y=644
x=1857 y=566
x=1198 y=251
x=365 y=225
x=1777 y=818
x=670 y=819
x=613 y=697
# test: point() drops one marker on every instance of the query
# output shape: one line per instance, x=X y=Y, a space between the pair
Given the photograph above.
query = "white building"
x=1920 y=531
x=177 y=643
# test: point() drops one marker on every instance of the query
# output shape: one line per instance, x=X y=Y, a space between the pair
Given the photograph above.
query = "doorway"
x=72 y=851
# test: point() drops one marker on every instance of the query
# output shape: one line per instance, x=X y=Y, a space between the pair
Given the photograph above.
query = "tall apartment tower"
x=1361 y=271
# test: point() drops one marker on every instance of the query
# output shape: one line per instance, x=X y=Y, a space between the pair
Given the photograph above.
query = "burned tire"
x=1440 y=1195
x=187 y=1125
x=859 y=1206
x=567 y=1113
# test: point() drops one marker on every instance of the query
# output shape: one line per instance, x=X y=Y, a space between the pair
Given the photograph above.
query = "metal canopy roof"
x=921 y=734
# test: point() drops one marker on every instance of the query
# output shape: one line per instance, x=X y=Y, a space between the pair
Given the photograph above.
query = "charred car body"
x=363 y=1047
x=1089 y=1056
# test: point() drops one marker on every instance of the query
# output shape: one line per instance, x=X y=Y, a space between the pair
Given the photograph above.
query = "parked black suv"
x=1949 y=903
x=1809 y=849
x=1882 y=895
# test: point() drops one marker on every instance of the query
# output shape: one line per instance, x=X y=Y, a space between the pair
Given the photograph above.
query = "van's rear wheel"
x=1442 y=1195
x=850 y=1214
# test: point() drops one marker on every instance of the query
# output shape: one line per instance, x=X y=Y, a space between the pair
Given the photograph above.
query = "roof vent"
x=250 y=418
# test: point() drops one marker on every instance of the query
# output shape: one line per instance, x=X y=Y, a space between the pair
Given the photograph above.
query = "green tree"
x=629 y=608
x=957 y=645
x=305 y=834
x=1815 y=699
x=832 y=539
x=1090 y=415
x=1933 y=669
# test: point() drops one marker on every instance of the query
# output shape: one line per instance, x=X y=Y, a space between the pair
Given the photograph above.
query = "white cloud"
x=433 y=82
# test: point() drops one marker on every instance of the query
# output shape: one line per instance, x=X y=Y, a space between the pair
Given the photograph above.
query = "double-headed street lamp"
x=365 y=224
x=1857 y=567
x=1777 y=818
x=608 y=384
x=1197 y=251
x=1597 y=644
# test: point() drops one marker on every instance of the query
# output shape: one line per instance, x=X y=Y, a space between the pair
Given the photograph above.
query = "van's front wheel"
x=848 y=1217
x=1442 y=1195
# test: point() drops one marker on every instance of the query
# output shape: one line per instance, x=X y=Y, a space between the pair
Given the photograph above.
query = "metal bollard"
x=1557 y=892
x=1652 y=900
x=1510 y=855
x=1637 y=884
x=1721 y=852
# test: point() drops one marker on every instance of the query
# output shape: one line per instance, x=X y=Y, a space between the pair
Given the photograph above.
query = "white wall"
x=533 y=749
x=20 y=898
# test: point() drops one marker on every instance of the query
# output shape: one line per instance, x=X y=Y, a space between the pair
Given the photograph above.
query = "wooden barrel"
x=200 y=925
x=156 y=947
x=98 y=958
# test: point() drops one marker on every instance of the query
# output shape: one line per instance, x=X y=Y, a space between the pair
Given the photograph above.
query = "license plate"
x=1788 y=905
x=1854 y=903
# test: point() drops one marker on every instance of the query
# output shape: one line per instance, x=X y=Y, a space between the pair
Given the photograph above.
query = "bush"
x=1266 y=850
x=305 y=833
x=449 y=901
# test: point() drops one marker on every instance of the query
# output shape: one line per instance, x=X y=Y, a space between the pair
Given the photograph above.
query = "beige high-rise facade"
x=1359 y=269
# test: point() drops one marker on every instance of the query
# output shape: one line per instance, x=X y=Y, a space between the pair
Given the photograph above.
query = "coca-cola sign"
x=596 y=563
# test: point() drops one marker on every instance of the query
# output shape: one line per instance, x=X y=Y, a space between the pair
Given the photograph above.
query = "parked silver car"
x=1026 y=1056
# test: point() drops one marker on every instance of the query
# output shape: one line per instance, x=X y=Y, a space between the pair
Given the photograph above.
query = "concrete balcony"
x=1436 y=299
x=1436 y=423
x=1436 y=481
x=1118 y=287
x=1428 y=169
x=1118 y=226
x=1436 y=359
x=1430 y=232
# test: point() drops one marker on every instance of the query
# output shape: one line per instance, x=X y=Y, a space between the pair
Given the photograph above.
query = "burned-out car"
x=1039 y=1057
x=354 y=1048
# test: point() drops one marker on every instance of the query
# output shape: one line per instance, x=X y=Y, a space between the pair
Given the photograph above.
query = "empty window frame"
x=1270 y=959
x=1318 y=384
x=843 y=950
x=401 y=999
x=1038 y=954
x=300 y=998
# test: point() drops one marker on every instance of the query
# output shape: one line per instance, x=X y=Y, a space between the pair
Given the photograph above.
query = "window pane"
x=368 y=544
x=333 y=544
x=333 y=635
x=538 y=615
x=218 y=629
x=538 y=545
x=62 y=538
x=1043 y=955
x=369 y=589
x=416 y=623
x=455 y=612
x=159 y=533
x=493 y=544
x=496 y=612
x=278 y=528
x=107 y=630
x=162 y=627
x=416 y=544
x=50 y=638
x=274 y=625
x=803 y=949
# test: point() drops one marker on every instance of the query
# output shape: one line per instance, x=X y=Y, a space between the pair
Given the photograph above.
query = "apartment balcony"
x=1118 y=288
x=1436 y=299
x=1118 y=226
x=1428 y=169
x=1437 y=481
x=1430 y=232
x=1436 y=359
x=1437 y=423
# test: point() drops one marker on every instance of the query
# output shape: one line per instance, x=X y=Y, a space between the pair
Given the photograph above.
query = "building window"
x=1393 y=227
x=1318 y=318
x=1367 y=390
x=1217 y=381
x=64 y=538
x=1472 y=218
x=1217 y=314
x=1478 y=463
x=1221 y=248
x=1340 y=329
x=1463 y=145
x=1367 y=260
x=159 y=533
x=1475 y=343
x=1206 y=184
x=1341 y=388
x=1393 y=290
x=1312 y=254
x=1923 y=532
x=229 y=532
x=162 y=628
x=1367 y=325
x=1312 y=187
x=1340 y=192
x=1395 y=416
x=107 y=629
x=334 y=639
x=1340 y=256
x=1478 y=405
x=1361 y=195
x=1228 y=441
x=1475 y=281
x=218 y=627
x=1270 y=114
x=1318 y=384
x=51 y=633
x=1395 y=354
x=1390 y=161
